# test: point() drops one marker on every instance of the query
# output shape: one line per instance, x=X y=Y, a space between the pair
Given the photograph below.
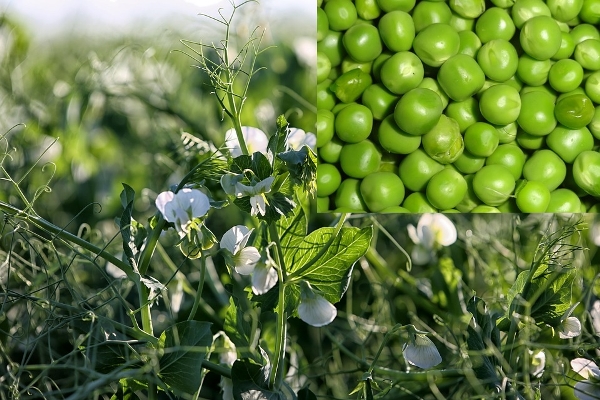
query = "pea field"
x=388 y=199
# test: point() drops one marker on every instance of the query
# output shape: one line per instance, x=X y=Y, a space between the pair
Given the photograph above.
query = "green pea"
x=360 y=159
x=379 y=100
x=348 y=64
x=563 y=201
x=394 y=139
x=465 y=112
x=540 y=37
x=537 y=113
x=392 y=5
x=468 y=163
x=325 y=126
x=469 y=43
x=524 y=10
x=503 y=3
x=481 y=139
x=569 y=143
x=350 y=86
x=594 y=125
x=397 y=30
x=328 y=179
x=418 y=111
x=354 y=123
x=528 y=141
x=322 y=24
x=444 y=142
x=362 y=42
x=402 y=72
x=332 y=47
x=500 y=104
x=378 y=63
x=429 y=12
x=533 y=72
x=495 y=23
x=587 y=53
x=416 y=169
x=461 y=77
x=509 y=156
x=470 y=199
x=547 y=167
x=507 y=133
x=417 y=203
x=493 y=184
x=592 y=87
x=533 y=197
x=483 y=209
x=323 y=67
x=574 y=111
x=330 y=151
x=564 y=10
x=367 y=9
x=446 y=189
x=468 y=8
x=436 y=43
x=565 y=75
x=460 y=24
x=325 y=97
x=348 y=196
x=583 y=32
x=567 y=47
x=341 y=14
x=586 y=172
x=322 y=204
x=381 y=190
x=590 y=11
x=432 y=84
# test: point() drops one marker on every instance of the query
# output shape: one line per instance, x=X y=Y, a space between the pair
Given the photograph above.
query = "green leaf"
x=250 y=382
x=446 y=287
x=261 y=166
x=241 y=163
x=277 y=141
x=302 y=166
x=292 y=230
x=127 y=195
x=238 y=327
x=132 y=232
x=185 y=347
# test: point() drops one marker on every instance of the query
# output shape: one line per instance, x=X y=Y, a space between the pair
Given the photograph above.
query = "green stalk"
x=200 y=287
x=276 y=373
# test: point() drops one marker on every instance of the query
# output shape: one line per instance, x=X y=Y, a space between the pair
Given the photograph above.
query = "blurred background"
x=100 y=93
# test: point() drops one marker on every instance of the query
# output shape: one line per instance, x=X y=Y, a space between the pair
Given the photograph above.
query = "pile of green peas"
x=458 y=106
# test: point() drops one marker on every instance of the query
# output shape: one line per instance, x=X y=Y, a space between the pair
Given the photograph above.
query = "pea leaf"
x=185 y=346
x=238 y=327
x=250 y=382
x=132 y=232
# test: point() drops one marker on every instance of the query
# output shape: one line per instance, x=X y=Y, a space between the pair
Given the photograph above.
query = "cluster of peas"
x=458 y=105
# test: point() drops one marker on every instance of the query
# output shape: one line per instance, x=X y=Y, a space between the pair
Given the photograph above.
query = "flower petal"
x=316 y=311
x=193 y=202
x=264 y=186
x=235 y=238
x=538 y=363
x=263 y=278
x=164 y=204
x=569 y=328
x=229 y=182
x=412 y=234
x=422 y=352
x=298 y=138
x=420 y=255
x=595 y=314
x=256 y=141
x=246 y=260
x=445 y=231
x=258 y=205
x=584 y=367
x=586 y=390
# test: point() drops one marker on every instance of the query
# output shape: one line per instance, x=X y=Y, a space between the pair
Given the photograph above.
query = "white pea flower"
x=182 y=208
x=256 y=141
x=538 y=363
x=227 y=357
x=421 y=352
x=298 y=138
x=595 y=233
x=232 y=185
x=314 y=309
x=263 y=278
x=590 y=387
x=595 y=314
x=569 y=327
x=432 y=231
x=244 y=258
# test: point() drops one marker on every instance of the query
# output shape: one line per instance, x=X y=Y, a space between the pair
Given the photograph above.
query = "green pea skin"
x=481 y=139
x=446 y=189
x=402 y=72
x=509 y=156
x=348 y=64
x=569 y=143
x=325 y=127
x=468 y=8
x=394 y=139
x=469 y=43
x=429 y=12
x=587 y=53
x=500 y=104
x=397 y=31
x=367 y=9
x=322 y=24
x=507 y=133
x=537 y=113
x=341 y=14
x=381 y=190
x=354 y=123
x=379 y=100
x=533 y=72
x=532 y=197
x=586 y=172
x=392 y=5
x=528 y=141
x=592 y=87
x=348 y=196
x=460 y=24
x=594 y=125
x=547 y=167
x=350 y=85
x=563 y=201
x=436 y=43
x=362 y=42
x=495 y=23
x=461 y=77
x=470 y=199
x=330 y=151
x=323 y=67
x=328 y=179
x=332 y=47
x=540 y=37
x=432 y=84
x=465 y=112
x=590 y=11
x=583 y=32
x=378 y=63
x=493 y=184
x=565 y=75
x=574 y=111
x=416 y=169
x=483 y=209
x=360 y=159
x=417 y=203
x=322 y=204
x=418 y=111
x=567 y=47
x=325 y=97
x=468 y=163
x=524 y=10
x=444 y=143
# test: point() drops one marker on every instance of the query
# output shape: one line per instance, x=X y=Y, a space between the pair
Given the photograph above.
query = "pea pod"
x=349 y=86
